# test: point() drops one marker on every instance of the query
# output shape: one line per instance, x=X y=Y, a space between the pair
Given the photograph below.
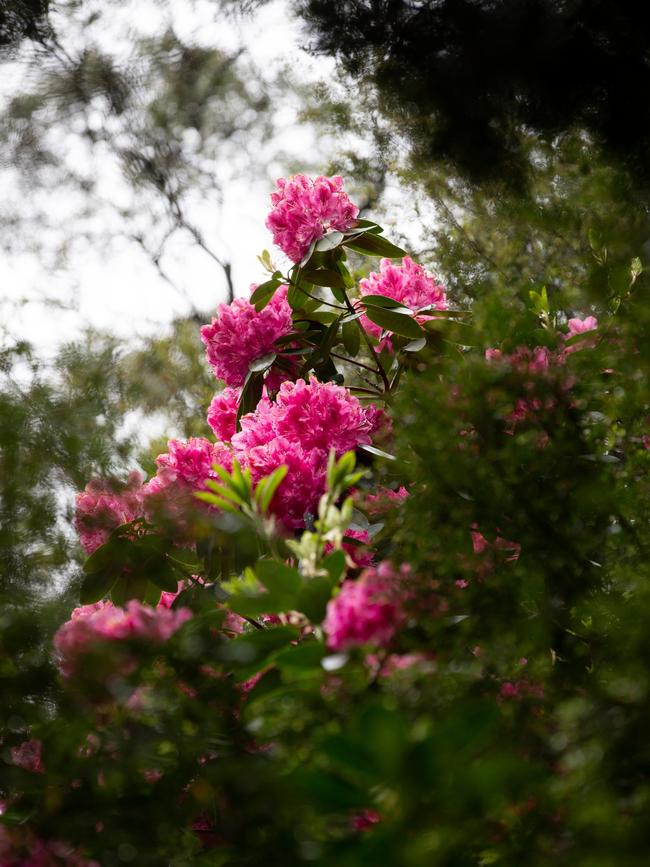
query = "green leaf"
x=313 y=598
x=111 y=555
x=253 y=648
x=263 y=294
x=324 y=277
x=267 y=487
x=96 y=586
x=278 y=578
x=129 y=587
x=262 y=363
x=366 y=226
x=374 y=245
x=384 y=301
x=251 y=394
x=348 y=279
x=334 y=563
x=373 y=450
x=165 y=577
x=351 y=338
x=307 y=255
x=253 y=605
x=329 y=241
x=302 y=656
x=415 y=345
x=394 y=321
x=153 y=594
x=451 y=331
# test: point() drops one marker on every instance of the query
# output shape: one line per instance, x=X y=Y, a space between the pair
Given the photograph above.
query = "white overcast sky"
x=122 y=291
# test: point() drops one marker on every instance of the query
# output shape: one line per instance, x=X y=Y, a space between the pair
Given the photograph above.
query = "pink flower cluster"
x=222 y=414
x=19 y=848
x=305 y=209
x=181 y=471
x=103 y=506
x=28 y=756
x=539 y=363
x=366 y=611
x=407 y=283
x=103 y=621
x=240 y=335
x=298 y=429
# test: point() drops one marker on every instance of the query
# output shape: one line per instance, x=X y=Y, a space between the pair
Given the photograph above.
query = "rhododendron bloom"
x=103 y=621
x=103 y=506
x=321 y=415
x=182 y=470
x=383 y=500
x=304 y=483
x=359 y=555
x=318 y=415
x=222 y=414
x=28 y=756
x=580 y=326
x=298 y=430
x=305 y=209
x=407 y=283
x=240 y=335
x=366 y=611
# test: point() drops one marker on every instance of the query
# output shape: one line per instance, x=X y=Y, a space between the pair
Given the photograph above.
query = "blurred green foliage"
x=462 y=764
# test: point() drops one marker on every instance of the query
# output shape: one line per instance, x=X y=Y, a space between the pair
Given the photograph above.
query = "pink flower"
x=366 y=611
x=359 y=555
x=365 y=820
x=182 y=470
x=305 y=209
x=240 y=335
x=383 y=500
x=190 y=463
x=580 y=326
x=20 y=848
x=103 y=621
x=298 y=429
x=28 y=756
x=519 y=689
x=304 y=483
x=222 y=414
x=321 y=416
x=407 y=283
x=103 y=506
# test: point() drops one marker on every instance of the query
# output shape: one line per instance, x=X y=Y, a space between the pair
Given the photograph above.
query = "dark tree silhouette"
x=463 y=77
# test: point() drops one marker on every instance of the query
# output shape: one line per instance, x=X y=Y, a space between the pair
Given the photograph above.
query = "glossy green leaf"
x=96 y=586
x=351 y=338
x=394 y=321
x=264 y=293
x=278 y=577
x=375 y=245
x=262 y=363
x=324 y=277
x=329 y=241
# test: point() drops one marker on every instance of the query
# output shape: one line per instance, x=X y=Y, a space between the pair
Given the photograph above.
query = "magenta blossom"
x=182 y=470
x=298 y=430
x=305 y=209
x=407 y=283
x=103 y=621
x=28 y=756
x=222 y=414
x=366 y=611
x=240 y=335
x=580 y=326
x=304 y=483
x=103 y=506
x=316 y=415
